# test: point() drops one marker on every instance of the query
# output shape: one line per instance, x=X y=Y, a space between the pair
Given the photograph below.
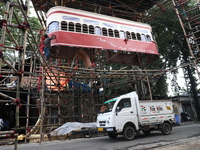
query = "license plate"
x=109 y=129
x=100 y=129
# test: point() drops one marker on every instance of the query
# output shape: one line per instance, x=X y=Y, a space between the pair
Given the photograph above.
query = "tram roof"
x=104 y=17
x=127 y=9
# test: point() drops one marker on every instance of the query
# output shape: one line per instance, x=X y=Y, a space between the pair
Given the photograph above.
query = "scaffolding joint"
x=59 y=115
x=19 y=73
x=17 y=102
x=3 y=22
x=24 y=26
x=20 y=48
x=1 y=54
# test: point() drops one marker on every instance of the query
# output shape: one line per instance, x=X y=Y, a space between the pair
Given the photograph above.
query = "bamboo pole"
x=187 y=39
x=42 y=108
x=28 y=99
x=4 y=30
x=149 y=86
x=7 y=96
x=59 y=86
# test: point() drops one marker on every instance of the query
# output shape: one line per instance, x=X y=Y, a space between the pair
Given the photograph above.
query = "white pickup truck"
x=126 y=115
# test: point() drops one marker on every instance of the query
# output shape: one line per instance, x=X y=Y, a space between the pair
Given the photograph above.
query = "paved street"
x=182 y=137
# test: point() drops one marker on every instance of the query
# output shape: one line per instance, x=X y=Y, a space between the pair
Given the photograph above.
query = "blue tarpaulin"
x=82 y=87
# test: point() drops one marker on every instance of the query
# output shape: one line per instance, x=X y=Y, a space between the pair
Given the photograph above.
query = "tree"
x=16 y=32
x=173 y=46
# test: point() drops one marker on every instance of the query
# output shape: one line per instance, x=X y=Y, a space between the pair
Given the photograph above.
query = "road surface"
x=180 y=135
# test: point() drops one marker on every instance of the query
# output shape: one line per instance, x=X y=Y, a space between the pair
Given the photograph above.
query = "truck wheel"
x=166 y=128
x=129 y=133
x=112 y=135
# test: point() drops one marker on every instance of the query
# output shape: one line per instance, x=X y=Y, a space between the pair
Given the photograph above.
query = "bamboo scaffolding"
x=187 y=38
x=70 y=103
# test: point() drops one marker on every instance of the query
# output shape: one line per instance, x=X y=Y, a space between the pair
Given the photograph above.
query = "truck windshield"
x=107 y=107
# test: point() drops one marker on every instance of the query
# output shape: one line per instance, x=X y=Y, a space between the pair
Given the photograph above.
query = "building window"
x=64 y=25
x=143 y=37
x=71 y=26
x=148 y=38
x=85 y=28
x=138 y=37
x=133 y=35
x=105 y=32
x=53 y=26
x=88 y=21
x=128 y=35
x=98 y=31
x=78 y=27
x=110 y=31
x=116 y=32
x=122 y=35
x=69 y=18
x=91 y=29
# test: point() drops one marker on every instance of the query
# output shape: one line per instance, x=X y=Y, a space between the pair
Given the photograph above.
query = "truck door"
x=124 y=112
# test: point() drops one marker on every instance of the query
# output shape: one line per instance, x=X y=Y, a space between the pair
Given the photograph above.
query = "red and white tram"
x=125 y=41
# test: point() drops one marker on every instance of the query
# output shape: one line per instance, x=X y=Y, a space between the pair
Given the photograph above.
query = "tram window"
x=138 y=37
x=108 y=25
x=71 y=26
x=128 y=35
x=105 y=32
x=125 y=28
x=71 y=18
x=98 y=31
x=143 y=37
x=53 y=26
x=122 y=35
x=78 y=27
x=110 y=31
x=91 y=29
x=142 y=31
x=133 y=35
x=90 y=22
x=85 y=28
x=116 y=32
x=64 y=25
x=148 y=38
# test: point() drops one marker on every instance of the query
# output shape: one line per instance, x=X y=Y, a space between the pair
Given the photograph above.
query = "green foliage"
x=17 y=19
x=172 y=43
x=161 y=87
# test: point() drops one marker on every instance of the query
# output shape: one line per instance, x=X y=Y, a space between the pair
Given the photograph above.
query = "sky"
x=32 y=11
x=180 y=81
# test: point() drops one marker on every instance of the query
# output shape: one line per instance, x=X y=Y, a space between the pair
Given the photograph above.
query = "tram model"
x=81 y=32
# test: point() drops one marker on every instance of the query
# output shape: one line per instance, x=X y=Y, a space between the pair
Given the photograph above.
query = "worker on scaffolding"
x=47 y=45
x=1 y=123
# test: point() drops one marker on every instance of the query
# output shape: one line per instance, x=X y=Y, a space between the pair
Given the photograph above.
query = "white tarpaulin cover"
x=70 y=126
